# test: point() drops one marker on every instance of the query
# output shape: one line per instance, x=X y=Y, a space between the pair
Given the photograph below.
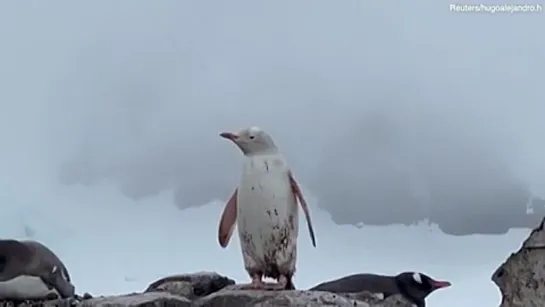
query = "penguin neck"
x=263 y=152
x=264 y=163
x=414 y=298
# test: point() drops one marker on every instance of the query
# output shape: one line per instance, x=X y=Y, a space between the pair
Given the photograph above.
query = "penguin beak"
x=229 y=136
x=440 y=284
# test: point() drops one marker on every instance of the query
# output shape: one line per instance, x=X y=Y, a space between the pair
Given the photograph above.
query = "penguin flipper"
x=227 y=221
x=299 y=196
x=55 y=280
x=47 y=282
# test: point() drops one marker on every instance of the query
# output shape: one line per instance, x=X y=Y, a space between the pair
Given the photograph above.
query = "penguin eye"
x=252 y=137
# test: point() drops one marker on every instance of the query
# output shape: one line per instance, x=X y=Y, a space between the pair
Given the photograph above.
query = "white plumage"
x=25 y=287
x=267 y=215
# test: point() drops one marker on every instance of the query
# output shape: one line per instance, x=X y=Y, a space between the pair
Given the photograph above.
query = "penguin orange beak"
x=229 y=136
x=440 y=284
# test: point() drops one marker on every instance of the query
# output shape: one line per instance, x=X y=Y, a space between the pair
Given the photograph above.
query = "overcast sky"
x=136 y=92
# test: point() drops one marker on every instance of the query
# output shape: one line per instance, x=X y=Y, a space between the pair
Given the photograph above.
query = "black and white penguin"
x=415 y=287
x=31 y=271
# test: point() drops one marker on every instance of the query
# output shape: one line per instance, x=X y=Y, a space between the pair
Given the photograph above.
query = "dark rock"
x=296 y=298
x=70 y=302
x=207 y=289
x=521 y=278
x=150 y=299
x=191 y=285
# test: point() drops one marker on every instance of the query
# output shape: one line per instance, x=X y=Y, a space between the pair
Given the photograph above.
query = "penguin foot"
x=257 y=283
x=283 y=281
x=282 y=284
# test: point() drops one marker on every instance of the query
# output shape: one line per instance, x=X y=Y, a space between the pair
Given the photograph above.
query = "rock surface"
x=521 y=278
x=147 y=299
x=208 y=289
x=296 y=298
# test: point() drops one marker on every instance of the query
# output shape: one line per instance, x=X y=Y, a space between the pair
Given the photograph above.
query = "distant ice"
x=113 y=245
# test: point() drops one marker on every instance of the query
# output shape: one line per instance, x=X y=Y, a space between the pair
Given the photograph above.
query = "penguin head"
x=417 y=286
x=252 y=141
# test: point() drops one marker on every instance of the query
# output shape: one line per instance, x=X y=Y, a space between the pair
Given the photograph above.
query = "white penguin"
x=265 y=208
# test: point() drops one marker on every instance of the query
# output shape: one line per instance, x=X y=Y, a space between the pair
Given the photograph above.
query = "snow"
x=113 y=245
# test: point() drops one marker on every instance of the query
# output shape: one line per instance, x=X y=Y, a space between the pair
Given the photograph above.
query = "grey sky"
x=136 y=91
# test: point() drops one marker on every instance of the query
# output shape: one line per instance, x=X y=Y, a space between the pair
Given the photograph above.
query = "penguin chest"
x=266 y=203
x=25 y=287
x=267 y=216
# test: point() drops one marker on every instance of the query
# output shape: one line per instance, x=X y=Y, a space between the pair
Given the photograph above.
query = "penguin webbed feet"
x=257 y=283
x=284 y=283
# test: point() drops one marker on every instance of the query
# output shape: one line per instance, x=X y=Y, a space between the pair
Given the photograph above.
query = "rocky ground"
x=521 y=279
x=208 y=289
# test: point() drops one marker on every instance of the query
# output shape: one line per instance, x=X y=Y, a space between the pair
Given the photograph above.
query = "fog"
x=135 y=94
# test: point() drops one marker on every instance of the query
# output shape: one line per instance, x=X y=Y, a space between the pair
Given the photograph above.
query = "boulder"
x=296 y=298
x=149 y=299
x=191 y=286
x=209 y=289
x=70 y=302
x=521 y=278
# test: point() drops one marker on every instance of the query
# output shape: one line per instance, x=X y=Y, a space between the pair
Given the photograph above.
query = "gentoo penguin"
x=31 y=271
x=264 y=207
x=415 y=287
